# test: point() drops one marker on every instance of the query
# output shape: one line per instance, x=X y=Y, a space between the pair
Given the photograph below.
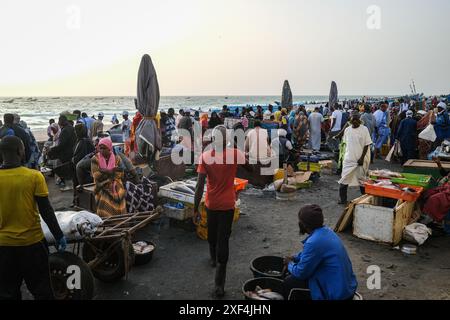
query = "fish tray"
x=410 y=179
x=167 y=192
x=380 y=191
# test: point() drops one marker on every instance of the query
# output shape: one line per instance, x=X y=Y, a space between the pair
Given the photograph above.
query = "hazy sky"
x=232 y=47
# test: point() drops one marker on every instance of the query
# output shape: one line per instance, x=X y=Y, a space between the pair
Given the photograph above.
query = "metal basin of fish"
x=267 y=266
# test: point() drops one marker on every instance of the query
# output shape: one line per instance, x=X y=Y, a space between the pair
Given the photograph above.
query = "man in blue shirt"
x=381 y=128
x=87 y=121
x=323 y=266
x=442 y=123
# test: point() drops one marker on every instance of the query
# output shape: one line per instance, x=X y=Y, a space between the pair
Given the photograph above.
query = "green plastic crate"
x=411 y=179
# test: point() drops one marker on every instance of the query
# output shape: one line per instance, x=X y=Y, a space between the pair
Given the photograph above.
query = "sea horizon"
x=37 y=110
x=204 y=95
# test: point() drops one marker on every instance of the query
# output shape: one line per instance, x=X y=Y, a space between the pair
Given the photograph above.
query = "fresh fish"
x=273 y=273
x=262 y=291
x=254 y=296
x=182 y=189
x=271 y=295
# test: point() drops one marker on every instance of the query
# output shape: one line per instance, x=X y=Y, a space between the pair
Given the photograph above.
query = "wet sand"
x=41 y=135
x=179 y=269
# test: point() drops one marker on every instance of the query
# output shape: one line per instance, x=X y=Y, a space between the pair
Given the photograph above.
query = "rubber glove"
x=61 y=244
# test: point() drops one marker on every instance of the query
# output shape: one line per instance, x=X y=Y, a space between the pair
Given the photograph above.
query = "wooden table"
x=425 y=167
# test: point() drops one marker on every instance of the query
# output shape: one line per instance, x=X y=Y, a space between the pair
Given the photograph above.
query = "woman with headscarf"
x=55 y=132
x=204 y=122
x=134 y=124
x=214 y=121
x=291 y=121
x=109 y=190
x=244 y=118
x=301 y=130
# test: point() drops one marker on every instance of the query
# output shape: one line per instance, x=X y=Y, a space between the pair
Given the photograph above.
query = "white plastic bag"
x=74 y=225
x=390 y=154
x=416 y=233
x=428 y=133
x=395 y=152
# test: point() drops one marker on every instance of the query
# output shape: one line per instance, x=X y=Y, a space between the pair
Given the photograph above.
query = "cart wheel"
x=113 y=268
x=59 y=263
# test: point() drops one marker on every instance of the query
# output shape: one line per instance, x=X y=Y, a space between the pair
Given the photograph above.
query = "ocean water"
x=37 y=111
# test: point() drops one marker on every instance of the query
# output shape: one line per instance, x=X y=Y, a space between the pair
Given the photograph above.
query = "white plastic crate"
x=179 y=214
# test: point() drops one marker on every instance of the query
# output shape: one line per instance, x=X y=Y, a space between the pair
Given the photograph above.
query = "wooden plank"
x=347 y=215
x=402 y=217
x=426 y=164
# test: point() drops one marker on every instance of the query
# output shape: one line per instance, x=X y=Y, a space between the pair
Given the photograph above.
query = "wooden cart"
x=108 y=254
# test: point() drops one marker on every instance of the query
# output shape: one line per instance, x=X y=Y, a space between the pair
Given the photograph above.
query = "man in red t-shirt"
x=218 y=166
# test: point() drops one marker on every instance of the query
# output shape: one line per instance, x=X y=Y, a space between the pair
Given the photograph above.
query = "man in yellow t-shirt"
x=23 y=250
x=277 y=115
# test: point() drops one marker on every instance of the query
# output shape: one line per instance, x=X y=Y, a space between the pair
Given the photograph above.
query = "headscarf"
x=136 y=120
x=56 y=131
x=204 y=120
x=292 y=116
x=282 y=133
x=112 y=159
x=214 y=121
x=442 y=105
x=23 y=124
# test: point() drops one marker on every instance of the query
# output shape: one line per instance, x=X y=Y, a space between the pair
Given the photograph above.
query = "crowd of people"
x=80 y=150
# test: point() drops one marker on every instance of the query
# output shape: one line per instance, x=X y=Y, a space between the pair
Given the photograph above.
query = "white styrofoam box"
x=166 y=192
x=373 y=223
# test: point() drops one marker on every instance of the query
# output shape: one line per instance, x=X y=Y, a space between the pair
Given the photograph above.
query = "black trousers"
x=219 y=232
x=293 y=283
x=29 y=263
x=343 y=188
x=83 y=171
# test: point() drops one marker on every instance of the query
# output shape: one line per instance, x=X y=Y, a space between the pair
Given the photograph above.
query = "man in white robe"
x=356 y=158
x=315 y=126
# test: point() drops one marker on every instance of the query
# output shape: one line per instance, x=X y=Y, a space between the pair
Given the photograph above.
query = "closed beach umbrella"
x=286 y=96
x=333 y=95
x=147 y=133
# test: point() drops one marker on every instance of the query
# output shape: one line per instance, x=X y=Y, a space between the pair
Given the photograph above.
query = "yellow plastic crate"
x=309 y=166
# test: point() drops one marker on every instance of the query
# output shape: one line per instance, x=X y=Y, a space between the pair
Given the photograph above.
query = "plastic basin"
x=261 y=265
x=276 y=285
